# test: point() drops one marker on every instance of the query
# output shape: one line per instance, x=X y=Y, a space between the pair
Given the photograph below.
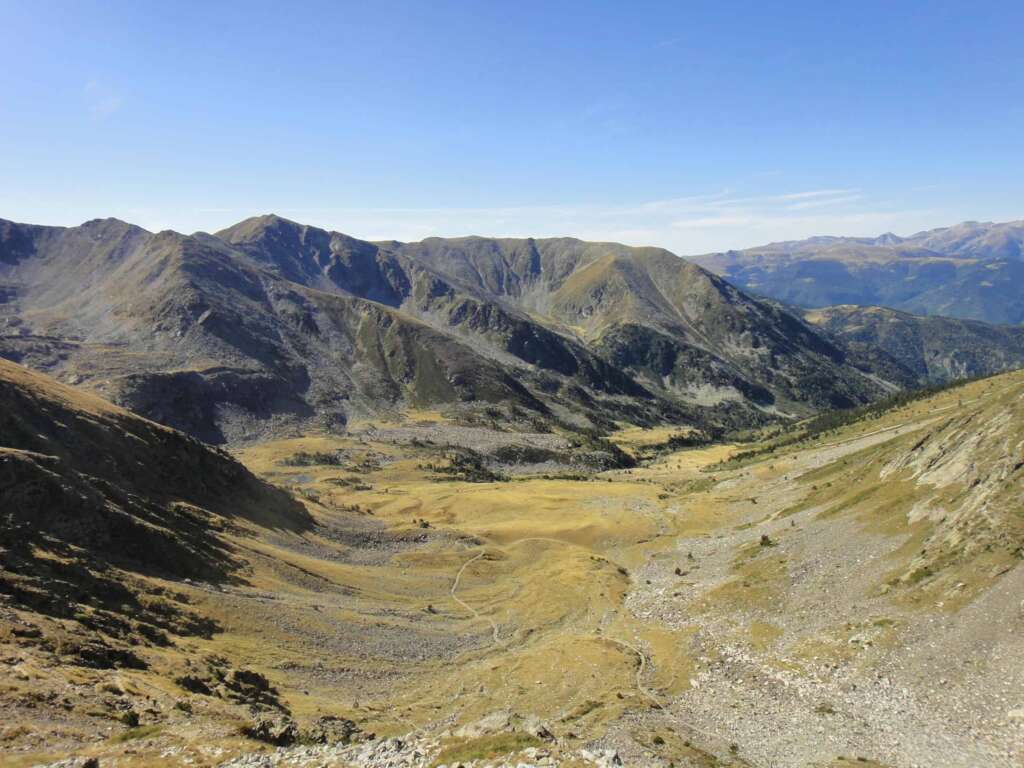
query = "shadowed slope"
x=88 y=489
x=333 y=261
x=669 y=323
x=556 y=302
x=193 y=333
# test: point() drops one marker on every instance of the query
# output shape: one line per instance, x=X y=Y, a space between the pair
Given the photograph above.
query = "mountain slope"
x=976 y=240
x=271 y=323
x=932 y=349
x=95 y=500
x=849 y=587
x=852 y=586
x=969 y=271
x=336 y=262
x=667 y=322
x=547 y=303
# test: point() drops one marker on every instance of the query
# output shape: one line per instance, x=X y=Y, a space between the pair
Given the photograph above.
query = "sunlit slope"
x=918 y=349
x=952 y=472
x=793 y=601
x=961 y=476
x=861 y=582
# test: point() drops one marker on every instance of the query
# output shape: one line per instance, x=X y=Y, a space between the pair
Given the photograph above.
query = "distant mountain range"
x=271 y=325
x=972 y=271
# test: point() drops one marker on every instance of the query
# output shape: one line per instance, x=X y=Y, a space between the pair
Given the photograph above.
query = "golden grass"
x=546 y=597
x=548 y=577
x=486 y=747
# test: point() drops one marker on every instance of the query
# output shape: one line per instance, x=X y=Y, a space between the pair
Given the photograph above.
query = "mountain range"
x=973 y=270
x=271 y=325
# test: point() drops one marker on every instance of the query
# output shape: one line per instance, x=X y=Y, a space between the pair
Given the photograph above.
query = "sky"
x=692 y=126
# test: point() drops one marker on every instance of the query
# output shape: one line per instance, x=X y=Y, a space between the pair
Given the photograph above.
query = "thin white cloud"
x=686 y=225
x=712 y=221
x=824 y=202
x=101 y=98
x=815 y=193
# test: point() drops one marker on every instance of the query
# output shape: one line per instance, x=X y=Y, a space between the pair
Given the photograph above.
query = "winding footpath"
x=476 y=614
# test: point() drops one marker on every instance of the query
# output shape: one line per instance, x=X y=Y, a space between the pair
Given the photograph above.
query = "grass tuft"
x=486 y=747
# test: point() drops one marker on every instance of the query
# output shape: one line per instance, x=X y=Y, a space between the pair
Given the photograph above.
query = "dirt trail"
x=709 y=739
x=476 y=614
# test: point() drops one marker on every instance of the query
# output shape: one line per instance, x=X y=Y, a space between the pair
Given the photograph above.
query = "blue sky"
x=694 y=126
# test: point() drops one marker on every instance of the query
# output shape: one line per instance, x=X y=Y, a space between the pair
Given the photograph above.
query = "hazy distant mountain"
x=972 y=239
x=973 y=271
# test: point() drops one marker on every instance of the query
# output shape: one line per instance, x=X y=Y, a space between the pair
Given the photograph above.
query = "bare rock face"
x=495 y=722
x=279 y=731
x=214 y=676
x=334 y=730
x=503 y=721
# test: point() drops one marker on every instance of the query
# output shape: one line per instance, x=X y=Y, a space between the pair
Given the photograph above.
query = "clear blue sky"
x=695 y=126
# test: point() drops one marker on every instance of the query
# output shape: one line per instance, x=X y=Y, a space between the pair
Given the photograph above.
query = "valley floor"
x=806 y=606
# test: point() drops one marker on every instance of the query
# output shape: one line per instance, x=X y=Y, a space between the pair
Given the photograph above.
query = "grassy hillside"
x=104 y=517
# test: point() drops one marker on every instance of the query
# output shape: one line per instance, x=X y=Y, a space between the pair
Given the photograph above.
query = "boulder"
x=333 y=730
x=279 y=731
x=496 y=722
